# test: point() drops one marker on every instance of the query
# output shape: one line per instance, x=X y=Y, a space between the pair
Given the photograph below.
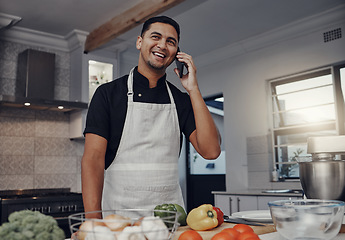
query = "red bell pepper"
x=220 y=215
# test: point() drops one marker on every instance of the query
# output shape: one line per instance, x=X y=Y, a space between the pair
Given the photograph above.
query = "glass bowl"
x=307 y=219
x=125 y=224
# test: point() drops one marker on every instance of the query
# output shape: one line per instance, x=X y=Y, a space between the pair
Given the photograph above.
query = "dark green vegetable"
x=174 y=208
x=182 y=218
x=29 y=225
x=166 y=207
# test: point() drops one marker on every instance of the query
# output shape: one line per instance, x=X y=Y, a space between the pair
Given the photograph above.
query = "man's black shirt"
x=107 y=111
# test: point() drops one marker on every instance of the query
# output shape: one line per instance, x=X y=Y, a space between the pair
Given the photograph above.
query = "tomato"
x=222 y=236
x=248 y=236
x=243 y=228
x=232 y=232
x=190 y=235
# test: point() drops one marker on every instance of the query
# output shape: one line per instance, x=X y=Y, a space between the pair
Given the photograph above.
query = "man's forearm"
x=207 y=135
x=92 y=187
x=206 y=138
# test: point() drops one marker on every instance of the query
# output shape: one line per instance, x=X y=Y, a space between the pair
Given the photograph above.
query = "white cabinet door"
x=223 y=202
x=243 y=203
x=230 y=204
x=263 y=200
x=80 y=89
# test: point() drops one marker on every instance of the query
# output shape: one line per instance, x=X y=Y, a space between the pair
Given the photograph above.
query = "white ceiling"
x=205 y=24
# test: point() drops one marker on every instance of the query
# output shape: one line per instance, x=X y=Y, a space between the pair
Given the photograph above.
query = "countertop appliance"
x=57 y=202
x=323 y=175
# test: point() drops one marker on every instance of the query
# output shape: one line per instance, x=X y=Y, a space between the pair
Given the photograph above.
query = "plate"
x=263 y=216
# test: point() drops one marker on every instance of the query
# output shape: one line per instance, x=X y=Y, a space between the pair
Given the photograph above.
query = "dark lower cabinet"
x=200 y=187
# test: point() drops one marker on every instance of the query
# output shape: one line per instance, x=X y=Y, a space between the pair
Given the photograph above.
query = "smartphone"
x=179 y=65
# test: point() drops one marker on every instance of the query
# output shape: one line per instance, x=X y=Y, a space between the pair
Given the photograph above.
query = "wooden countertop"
x=207 y=235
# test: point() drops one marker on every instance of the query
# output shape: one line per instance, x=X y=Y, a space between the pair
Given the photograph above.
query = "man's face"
x=158 y=45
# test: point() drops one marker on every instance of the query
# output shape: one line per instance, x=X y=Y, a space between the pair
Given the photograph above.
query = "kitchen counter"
x=207 y=235
x=265 y=233
x=258 y=192
x=249 y=200
x=275 y=236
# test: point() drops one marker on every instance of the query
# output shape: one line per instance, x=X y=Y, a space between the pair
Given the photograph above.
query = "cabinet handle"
x=230 y=205
x=238 y=204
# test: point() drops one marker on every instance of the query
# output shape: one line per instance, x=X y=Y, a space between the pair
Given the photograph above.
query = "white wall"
x=241 y=72
x=243 y=75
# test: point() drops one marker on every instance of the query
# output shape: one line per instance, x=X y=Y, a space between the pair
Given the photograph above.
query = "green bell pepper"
x=183 y=215
x=171 y=207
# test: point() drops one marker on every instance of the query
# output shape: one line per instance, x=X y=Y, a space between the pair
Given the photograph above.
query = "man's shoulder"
x=118 y=83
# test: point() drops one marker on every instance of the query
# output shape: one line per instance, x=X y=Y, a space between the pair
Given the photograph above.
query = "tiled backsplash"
x=36 y=152
x=35 y=149
x=260 y=165
x=259 y=156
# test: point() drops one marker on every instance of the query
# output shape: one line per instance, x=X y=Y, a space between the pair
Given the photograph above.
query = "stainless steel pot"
x=323 y=179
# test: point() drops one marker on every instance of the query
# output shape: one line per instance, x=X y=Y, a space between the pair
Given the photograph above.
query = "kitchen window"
x=304 y=105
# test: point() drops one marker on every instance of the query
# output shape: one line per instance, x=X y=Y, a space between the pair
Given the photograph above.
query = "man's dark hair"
x=161 y=19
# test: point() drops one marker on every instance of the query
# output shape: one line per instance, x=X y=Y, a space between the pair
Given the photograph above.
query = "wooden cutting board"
x=207 y=235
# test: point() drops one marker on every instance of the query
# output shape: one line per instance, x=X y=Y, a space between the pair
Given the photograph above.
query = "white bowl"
x=307 y=219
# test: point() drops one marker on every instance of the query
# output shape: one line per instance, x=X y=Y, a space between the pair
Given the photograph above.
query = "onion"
x=87 y=227
x=116 y=222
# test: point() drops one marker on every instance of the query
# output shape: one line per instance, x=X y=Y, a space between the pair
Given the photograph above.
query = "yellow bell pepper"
x=202 y=218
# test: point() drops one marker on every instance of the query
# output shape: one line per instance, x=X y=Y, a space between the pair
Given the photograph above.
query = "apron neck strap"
x=130 y=88
x=170 y=94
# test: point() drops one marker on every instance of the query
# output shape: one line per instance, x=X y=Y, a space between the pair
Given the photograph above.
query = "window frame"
x=337 y=125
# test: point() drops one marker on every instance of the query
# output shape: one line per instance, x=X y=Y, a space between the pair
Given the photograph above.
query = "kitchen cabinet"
x=236 y=203
x=231 y=203
x=99 y=73
x=89 y=71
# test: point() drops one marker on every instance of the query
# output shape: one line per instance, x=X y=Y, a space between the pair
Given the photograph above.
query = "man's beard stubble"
x=154 y=66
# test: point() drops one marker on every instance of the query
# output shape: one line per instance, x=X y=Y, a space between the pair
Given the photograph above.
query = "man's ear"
x=139 y=40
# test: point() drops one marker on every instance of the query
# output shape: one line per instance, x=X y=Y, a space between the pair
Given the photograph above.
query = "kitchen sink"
x=297 y=191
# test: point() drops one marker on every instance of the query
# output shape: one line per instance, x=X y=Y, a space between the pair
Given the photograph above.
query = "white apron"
x=144 y=172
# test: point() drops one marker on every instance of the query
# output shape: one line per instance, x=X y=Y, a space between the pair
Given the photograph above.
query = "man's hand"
x=188 y=80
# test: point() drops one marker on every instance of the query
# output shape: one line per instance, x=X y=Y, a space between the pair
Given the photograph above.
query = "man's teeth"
x=159 y=55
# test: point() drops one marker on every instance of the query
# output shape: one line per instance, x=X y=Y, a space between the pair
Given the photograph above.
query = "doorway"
x=204 y=176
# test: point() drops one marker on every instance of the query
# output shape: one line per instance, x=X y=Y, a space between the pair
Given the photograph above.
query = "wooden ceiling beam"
x=126 y=21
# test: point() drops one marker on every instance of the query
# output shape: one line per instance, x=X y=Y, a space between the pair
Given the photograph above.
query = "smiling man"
x=134 y=128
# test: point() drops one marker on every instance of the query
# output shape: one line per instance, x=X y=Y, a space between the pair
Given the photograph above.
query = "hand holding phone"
x=179 y=65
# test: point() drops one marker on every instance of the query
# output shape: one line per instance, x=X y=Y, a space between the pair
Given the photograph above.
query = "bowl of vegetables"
x=125 y=224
